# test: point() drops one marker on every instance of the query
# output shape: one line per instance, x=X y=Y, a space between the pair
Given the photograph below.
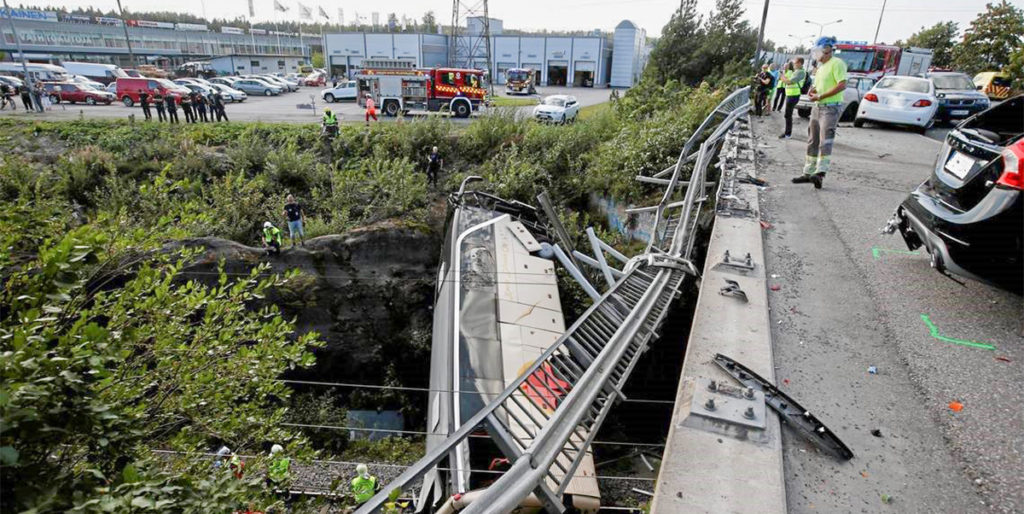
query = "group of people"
x=195 y=106
x=295 y=215
x=33 y=99
x=825 y=91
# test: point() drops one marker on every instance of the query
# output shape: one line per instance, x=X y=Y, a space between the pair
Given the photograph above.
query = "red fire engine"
x=398 y=87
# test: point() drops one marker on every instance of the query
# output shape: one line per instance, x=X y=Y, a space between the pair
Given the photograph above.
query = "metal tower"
x=470 y=46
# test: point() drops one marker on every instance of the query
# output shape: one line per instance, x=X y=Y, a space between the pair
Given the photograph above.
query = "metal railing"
x=546 y=419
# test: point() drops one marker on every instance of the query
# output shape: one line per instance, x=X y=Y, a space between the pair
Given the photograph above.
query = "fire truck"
x=520 y=80
x=878 y=60
x=398 y=87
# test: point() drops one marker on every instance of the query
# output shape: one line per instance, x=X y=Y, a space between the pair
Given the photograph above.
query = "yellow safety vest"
x=794 y=87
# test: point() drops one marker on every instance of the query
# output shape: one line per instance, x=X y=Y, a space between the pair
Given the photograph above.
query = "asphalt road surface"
x=848 y=298
x=302 y=106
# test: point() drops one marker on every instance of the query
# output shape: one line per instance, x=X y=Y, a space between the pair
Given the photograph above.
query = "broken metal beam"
x=576 y=274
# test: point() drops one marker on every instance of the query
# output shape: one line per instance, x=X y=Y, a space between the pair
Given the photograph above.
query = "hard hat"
x=362 y=470
x=276 y=449
x=267 y=224
x=224 y=451
x=825 y=41
x=327 y=109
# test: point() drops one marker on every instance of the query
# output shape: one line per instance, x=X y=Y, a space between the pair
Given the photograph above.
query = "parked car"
x=857 y=85
x=128 y=89
x=97 y=72
x=958 y=98
x=227 y=81
x=230 y=94
x=85 y=81
x=900 y=100
x=346 y=90
x=74 y=93
x=195 y=86
x=257 y=87
x=315 y=79
x=278 y=81
x=557 y=108
x=112 y=88
x=12 y=81
x=996 y=85
x=968 y=214
x=135 y=74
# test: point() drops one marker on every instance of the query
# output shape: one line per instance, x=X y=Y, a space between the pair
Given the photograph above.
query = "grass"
x=593 y=110
x=506 y=101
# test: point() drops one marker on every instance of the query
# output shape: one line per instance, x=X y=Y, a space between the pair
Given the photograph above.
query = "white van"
x=42 y=72
x=103 y=73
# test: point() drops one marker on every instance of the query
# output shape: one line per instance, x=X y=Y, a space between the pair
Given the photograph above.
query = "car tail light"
x=1013 y=167
x=922 y=103
x=871 y=97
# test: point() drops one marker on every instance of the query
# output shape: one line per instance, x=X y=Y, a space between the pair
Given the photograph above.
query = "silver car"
x=277 y=81
x=257 y=87
x=230 y=94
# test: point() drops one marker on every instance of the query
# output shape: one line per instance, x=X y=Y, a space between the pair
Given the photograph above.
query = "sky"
x=785 y=17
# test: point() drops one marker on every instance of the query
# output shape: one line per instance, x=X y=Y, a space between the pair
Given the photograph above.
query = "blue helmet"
x=825 y=41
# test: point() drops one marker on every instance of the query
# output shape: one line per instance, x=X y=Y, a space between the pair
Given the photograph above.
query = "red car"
x=74 y=93
x=128 y=89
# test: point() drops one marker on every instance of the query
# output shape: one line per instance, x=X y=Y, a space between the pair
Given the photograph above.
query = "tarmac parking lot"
x=302 y=106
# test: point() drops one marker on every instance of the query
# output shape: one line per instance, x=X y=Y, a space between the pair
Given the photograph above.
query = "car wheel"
x=127 y=101
x=858 y=122
x=54 y=99
x=461 y=110
x=562 y=121
x=90 y=101
x=267 y=92
x=849 y=113
x=330 y=98
x=804 y=113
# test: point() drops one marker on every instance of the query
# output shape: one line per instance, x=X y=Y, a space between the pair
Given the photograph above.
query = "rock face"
x=368 y=293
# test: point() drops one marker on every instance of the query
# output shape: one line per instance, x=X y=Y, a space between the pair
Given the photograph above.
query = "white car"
x=85 y=81
x=557 y=109
x=900 y=100
x=227 y=81
x=345 y=91
x=857 y=85
x=230 y=94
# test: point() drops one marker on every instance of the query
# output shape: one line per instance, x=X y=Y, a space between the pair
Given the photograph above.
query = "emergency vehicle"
x=875 y=61
x=520 y=80
x=398 y=87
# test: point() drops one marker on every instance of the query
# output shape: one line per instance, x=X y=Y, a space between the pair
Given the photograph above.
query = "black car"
x=968 y=214
x=957 y=95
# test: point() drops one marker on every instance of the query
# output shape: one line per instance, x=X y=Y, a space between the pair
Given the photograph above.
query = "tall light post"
x=800 y=39
x=21 y=53
x=760 y=34
x=124 y=23
x=879 y=27
x=821 y=26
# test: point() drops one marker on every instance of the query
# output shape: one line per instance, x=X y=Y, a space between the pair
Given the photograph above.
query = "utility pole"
x=21 y=53
x=879 y=27
x=760 y=34
x=124 y=25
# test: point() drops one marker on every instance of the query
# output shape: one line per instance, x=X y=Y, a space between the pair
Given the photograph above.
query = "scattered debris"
x=886 y=498
x=864 y=474
x=774 y=275
x=978 y=481
x=765 y=225
x=872 y=370
x=956 y=406
x=1003 y=359
x=876 y=432
x=883 y=155
x=732 y=288
x=775 y=287
x=785 y=381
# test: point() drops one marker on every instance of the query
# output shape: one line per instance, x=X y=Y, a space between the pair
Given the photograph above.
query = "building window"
x=280 y=64
x=254 y=64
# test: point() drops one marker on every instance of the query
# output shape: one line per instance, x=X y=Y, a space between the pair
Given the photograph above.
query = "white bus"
x=104 y=73
x=43 y=72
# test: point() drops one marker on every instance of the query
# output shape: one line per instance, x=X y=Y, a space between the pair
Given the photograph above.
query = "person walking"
x=827 y=95
x=364 y=485
x=434 y=164
x=186 y=108
x=172 y=107
x=296 y=216
x=201 y=108
x=26 y=97
x=158 y=102
x=144 y=102
x=763 y=80
x=779 y=99
x=371 y=109
x=271 y=238
x=793 y=84
x=218 y=107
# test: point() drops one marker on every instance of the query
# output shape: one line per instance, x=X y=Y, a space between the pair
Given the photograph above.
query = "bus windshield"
x=857 y=60
x=518 y=75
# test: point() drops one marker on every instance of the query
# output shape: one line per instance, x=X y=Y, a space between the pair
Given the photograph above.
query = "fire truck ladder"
x=545 y=420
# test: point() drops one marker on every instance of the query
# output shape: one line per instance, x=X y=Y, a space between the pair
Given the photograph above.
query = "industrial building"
x=594 y=60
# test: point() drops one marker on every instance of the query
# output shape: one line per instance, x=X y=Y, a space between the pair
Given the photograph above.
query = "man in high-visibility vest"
x=329 y=123
x=364 y=485
x=827 y=95
x=271 y=238
x=279 y=471
x=794 y=83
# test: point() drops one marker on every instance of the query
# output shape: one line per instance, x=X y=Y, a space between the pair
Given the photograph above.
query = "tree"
x=940 y=38
x=317 y=59
x=671 y=57
x=1016 y=69
x=429 y=23
x=393 y=24
x=992 y=38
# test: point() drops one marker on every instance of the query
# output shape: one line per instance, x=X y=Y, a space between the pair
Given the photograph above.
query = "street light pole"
x=821 y=26
x=21 y=53
x=879 y=27
x=124 y=24
x=760 y=34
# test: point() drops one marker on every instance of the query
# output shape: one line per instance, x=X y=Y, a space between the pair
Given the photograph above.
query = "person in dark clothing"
x=26 y=98
x=218 y=107
x=794 y=83
x=5 y=96
x=295 y=215
x=158 y=102
x=201 y=108
x=186 y=108
x=172 y=108
x=144 y=102
x=763 y=81
x=434 y=164
x=37 y=96
x=779 y=100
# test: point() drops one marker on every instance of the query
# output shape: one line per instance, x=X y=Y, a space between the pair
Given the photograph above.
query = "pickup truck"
x=857 y=85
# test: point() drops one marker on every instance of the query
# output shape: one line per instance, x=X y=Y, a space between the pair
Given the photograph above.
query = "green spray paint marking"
x=935 y=333
x=876 y=252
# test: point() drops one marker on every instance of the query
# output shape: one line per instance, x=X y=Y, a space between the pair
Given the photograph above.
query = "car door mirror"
x=979 y=87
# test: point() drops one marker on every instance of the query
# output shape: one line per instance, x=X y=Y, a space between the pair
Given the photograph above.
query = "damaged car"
x=968 y=214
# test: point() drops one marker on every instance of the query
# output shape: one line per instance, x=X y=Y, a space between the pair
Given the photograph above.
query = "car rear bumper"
x=919 y=116
x=983 y=243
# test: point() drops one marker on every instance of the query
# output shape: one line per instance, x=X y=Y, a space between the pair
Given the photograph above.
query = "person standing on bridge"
x=371 y=109
x=763 y=81
x=779 y=99
x=364 y=485
x=793 y=83
x=827 y=95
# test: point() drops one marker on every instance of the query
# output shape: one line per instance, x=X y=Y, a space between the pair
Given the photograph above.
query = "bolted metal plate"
x=731 y=403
